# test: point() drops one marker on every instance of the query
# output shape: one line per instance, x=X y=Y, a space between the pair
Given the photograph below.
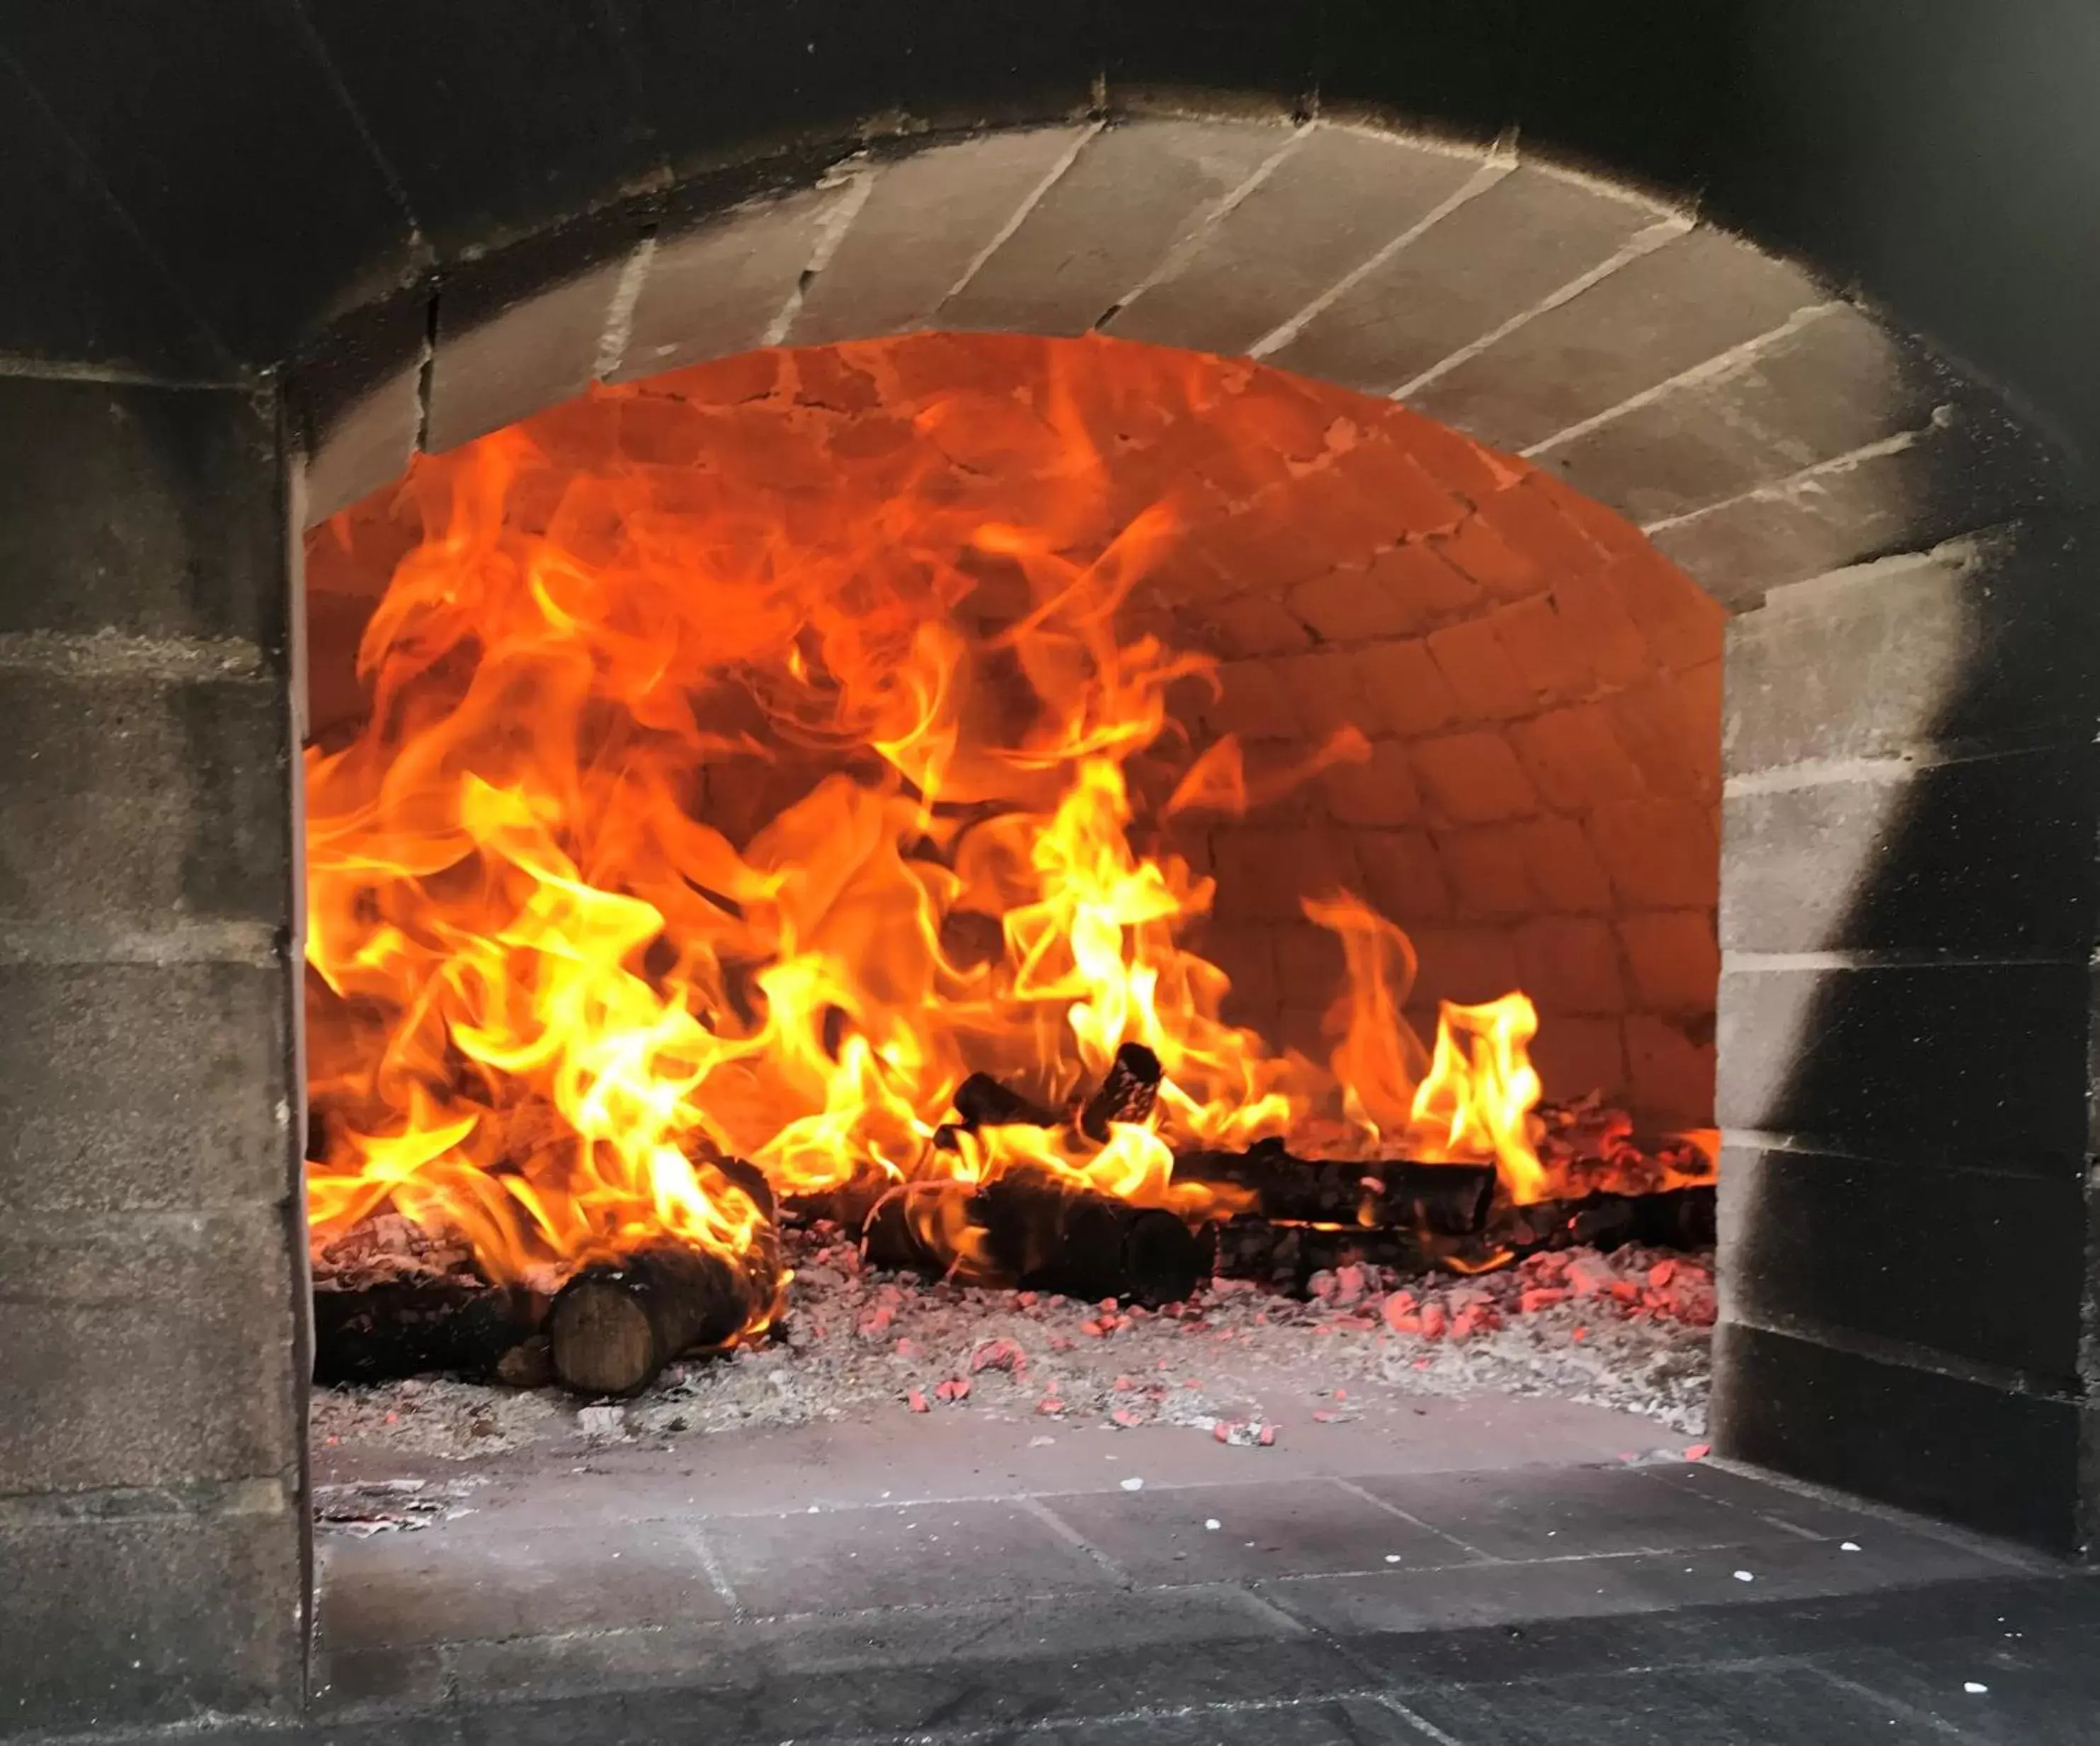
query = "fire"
x=554 y=1004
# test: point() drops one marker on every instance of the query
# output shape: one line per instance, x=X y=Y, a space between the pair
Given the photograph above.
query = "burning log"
x=983 y=1101
x=1287 y=1254
x=407 y=1327
x=1126 y=1093
x=1053 y=1233
x=615 y=1326
x=1450 y=1199
x=1035 y=1228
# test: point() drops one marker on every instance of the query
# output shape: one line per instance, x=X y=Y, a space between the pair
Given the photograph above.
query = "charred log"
x=1286 y=1256
x=1675 y=1219
x=1451 y=1199
x=1127 y=1092
x=1051 y=1234
x=1034 y=1228
x=983 y=1101
x=615 y=1326
x=415 y=1327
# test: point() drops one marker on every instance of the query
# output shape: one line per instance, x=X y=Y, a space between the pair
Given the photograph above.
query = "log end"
x=601 y=1339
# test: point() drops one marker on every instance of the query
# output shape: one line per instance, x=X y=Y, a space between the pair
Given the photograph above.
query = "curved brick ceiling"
x=1540 y=686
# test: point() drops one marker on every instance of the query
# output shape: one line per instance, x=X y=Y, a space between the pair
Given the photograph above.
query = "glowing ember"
x=553 y=1002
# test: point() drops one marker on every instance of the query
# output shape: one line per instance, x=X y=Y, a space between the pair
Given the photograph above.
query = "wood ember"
x=1287 y=1254
x=1128 y=1092
x=1364 y=1342
x=1450 y=1198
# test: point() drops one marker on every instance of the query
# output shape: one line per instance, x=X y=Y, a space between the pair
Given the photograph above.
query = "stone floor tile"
x=1569 y=1511
x=1464 y=1596
x=1265 y=1528
x=1345 y=1722
x=1069 y=1658
x=903 y=1555
x=396 y=1589
x=1795 y=1705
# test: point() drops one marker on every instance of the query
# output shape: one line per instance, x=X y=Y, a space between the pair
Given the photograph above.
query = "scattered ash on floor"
x=1627 y=1330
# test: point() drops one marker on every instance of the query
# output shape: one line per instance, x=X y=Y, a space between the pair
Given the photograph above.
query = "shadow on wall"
x=1904 y=1050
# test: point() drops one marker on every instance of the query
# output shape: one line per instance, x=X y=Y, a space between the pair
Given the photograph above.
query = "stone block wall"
x=151 y=1274
x=1905 y=1027
x=1539 y=690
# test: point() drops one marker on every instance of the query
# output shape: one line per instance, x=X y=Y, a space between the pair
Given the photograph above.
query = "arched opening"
x=1899 y=1057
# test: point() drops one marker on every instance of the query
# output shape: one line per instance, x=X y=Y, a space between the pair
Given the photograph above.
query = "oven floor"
x=1507 y=1570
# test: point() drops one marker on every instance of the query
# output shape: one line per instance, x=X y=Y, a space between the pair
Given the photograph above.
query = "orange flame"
x=551 y=1000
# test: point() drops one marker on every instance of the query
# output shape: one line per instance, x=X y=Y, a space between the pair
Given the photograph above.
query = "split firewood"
x=412 y=1327
x=1451 y=1199
x=615 y=1324
x=1127 y=1092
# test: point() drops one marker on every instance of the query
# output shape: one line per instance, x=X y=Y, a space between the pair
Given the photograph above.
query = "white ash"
x=1627 y=1330
x=435 y=1416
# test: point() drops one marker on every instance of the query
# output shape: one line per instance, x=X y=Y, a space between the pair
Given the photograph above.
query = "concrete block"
x=1986 y=857
x=1983 y=643
x=1834 y=383
x=927 y=218
x=1918 y=1438
x=145 y=1086
x=721 y=286
x=158 y=1348
x=526 y=328
x=179 y=1616
x=1507 y=248
x=156 y=512
x=1968 y=1063
x=135 y=800
x=1867 y=1247
x=1970 y=466
x=355 y=400
x=1331 y=203
x=1135 y=191
x=1657 y=316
